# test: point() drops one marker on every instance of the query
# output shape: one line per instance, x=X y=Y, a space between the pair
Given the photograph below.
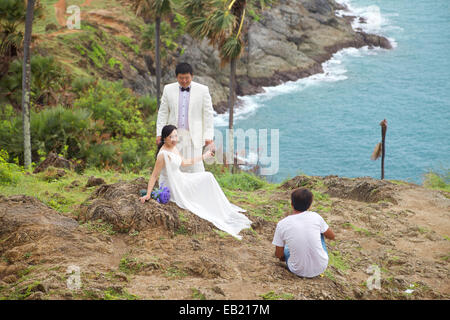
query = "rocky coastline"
x=289 y=42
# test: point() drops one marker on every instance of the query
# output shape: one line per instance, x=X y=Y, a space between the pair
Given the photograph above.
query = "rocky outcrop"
x=363 y=189
x=53 y=160
x=118 y=204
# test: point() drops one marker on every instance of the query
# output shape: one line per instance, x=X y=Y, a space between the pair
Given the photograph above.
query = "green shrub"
x=11 y=137
x=243 y=181
x=129 y=42
x=106 y=127
x=169 y=36
x=47 y=77
x=116 y=105
x=113 y=62
x=101 y=155
x=58 y=129
x=81 y=84
x=10 y=173
x=137 y=154
x=97 y=55
x=438 y=181
x=147 y=104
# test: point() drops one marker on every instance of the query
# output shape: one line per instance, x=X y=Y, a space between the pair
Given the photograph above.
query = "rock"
x=363 y=189
x=195 y=244
x=218 y=290
x=29 y=228
x=40 y=287
x=317 y=6
x=164 y=288
x=53 y=160
x=10 y=279
x=204 y=267
x=118 y=204
x=73 y=184
x=121 y=276
x=93 y=181
x=36 y=296
x=51 y=27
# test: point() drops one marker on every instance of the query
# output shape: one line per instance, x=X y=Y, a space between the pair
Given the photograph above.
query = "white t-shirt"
x=301 y=233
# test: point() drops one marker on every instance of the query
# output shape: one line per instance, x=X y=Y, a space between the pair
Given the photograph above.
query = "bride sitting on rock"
x=197 y=192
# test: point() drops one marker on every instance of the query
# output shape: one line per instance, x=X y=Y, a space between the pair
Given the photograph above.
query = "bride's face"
x=172 y=139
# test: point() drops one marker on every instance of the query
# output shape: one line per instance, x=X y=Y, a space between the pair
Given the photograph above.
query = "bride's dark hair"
x=165 y=132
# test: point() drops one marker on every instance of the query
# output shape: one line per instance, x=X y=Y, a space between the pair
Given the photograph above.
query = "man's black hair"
x=183 y=68
x=301 y=199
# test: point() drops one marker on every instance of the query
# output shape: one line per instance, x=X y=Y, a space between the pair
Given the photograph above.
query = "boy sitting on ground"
x=299 y=237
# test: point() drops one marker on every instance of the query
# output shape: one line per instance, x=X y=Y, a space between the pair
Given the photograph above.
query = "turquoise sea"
x=329 y=123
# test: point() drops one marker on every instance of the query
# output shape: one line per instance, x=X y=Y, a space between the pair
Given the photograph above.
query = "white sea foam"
x=368 y=19
x=334 y=70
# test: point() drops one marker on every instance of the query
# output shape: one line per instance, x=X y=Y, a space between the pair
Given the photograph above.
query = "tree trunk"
x=158 y=60
x=231 y=101
x=26 y=79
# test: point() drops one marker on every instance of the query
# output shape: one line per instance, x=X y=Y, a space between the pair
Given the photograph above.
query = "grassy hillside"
x=108 y=39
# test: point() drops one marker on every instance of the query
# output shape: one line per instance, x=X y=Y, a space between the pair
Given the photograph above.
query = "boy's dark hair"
x=301 y=199
x=183 y=68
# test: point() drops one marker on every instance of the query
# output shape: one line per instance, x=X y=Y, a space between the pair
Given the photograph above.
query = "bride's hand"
x=144 y=198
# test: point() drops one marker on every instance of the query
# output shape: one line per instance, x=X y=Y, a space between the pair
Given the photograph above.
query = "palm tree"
x=12 y=16
x=149 y=10
x=222 y=22
x=26 y=79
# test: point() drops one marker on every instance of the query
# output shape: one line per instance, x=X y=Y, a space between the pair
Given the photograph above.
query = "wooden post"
x=383 y=125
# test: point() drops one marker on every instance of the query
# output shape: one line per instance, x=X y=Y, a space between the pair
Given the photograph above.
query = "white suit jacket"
x=200 y=114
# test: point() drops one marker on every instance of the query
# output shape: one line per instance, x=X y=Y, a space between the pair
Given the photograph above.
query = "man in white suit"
x=188 y=106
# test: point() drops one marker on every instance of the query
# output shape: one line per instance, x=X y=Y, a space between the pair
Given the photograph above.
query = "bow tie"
x=186 y=89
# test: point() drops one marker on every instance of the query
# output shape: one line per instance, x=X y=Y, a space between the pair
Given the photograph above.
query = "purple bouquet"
x=162 y=194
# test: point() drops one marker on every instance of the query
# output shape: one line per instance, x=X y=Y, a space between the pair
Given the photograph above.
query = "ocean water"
x=329 y=123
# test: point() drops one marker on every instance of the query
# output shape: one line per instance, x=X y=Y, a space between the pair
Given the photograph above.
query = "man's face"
x=184 y=79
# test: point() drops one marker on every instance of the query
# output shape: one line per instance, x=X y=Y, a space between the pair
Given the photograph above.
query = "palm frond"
x=231 y=48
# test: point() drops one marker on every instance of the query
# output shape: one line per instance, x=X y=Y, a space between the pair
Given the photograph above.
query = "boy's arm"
x=329 y=234
x=279 y=252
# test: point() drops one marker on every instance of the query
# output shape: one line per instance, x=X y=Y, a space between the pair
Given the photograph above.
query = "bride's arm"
x=159 y=164
x=190 y=162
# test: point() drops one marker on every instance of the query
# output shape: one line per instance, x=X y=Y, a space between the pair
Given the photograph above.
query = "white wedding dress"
x=201 y=194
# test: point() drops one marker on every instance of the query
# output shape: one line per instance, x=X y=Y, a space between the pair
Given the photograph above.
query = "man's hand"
x=279 y=253
x=158 y=140
x=209 y=145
